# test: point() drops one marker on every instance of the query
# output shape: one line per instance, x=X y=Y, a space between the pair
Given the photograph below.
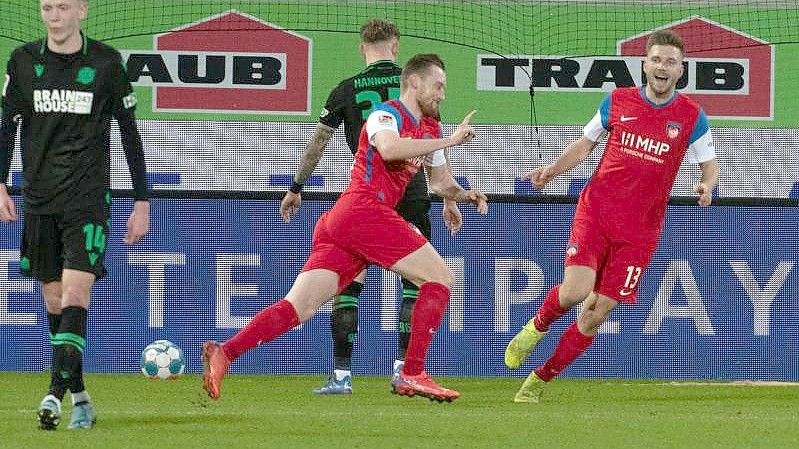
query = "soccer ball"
x=162 y=359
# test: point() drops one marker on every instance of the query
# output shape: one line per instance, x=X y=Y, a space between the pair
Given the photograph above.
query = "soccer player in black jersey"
x=351 y=102
x=63 y=90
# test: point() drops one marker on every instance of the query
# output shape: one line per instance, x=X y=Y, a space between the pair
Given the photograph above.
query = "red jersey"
x=374 y=178
x=630 y=188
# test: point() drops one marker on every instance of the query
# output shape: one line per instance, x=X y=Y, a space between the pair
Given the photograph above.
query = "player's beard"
x=429 y=107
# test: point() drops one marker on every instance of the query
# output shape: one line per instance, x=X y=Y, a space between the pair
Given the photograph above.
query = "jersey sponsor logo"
x=735 y=81
x=643 y=143
x=627 y=119
x=256 y=67
x=673 y=129
x=62 y=101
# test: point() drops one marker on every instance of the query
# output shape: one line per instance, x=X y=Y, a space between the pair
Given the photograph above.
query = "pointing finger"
x=468 y=117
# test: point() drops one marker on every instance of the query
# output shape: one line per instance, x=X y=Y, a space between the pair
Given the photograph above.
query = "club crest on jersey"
x=673 y=129
x=86 y=75
x=571 y=250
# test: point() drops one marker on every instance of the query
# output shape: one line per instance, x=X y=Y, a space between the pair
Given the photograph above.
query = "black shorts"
x=74 y=240
x=415 y=211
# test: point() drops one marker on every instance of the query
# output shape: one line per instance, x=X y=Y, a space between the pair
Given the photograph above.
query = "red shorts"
x=358 y=232
x=619 y=263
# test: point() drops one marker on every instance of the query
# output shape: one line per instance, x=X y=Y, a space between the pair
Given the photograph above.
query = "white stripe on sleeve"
x=594 y=131
x=702 y=150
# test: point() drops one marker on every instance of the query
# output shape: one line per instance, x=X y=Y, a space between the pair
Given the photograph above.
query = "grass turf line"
x=280 y=411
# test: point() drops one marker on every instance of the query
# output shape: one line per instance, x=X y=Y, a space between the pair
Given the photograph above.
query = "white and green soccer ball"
x=162 y=359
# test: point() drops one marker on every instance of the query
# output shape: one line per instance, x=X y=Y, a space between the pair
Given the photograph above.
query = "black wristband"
x=295 y=187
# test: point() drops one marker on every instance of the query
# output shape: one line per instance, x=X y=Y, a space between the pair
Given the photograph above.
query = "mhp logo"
x=729 y=73
x=232 y=62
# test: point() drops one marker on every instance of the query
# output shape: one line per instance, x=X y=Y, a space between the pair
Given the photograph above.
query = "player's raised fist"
x=540 y=176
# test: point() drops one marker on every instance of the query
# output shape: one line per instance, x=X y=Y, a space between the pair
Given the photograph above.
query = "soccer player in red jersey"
x=363 y=227
x=620 y=213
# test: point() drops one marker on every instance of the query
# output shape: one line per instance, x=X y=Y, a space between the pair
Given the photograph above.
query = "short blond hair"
x=378 y=30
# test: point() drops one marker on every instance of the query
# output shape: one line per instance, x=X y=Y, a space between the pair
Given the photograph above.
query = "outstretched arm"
x=443 y=184
x=574 y=154
x=392 y=147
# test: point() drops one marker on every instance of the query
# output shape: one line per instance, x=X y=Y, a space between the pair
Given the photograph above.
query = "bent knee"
x=574 y=294
x=444 y=277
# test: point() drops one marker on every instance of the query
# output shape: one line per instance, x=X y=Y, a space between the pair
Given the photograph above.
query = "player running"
x=620 y=212
x=363 y=227
x=351 y=102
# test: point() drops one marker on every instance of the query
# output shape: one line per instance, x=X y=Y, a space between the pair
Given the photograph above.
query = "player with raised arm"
x=363 y=227
x=63 y=90
x=351 y=102
x=620 y=213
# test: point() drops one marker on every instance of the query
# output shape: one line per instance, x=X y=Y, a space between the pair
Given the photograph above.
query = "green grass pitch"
x=281 y=412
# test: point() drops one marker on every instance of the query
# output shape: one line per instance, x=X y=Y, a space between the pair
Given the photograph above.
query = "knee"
x=74 y=297
x=444 y=277
x=591 y=318
x=571 y=294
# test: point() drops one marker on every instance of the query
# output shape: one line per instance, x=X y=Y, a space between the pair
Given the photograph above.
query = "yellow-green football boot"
x=531 y=389
x=522 y=345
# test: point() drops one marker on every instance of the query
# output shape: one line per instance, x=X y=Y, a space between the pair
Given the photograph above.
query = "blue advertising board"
x=717 y=302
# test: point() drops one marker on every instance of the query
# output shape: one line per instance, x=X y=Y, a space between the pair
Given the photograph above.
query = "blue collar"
x=642 y=92
x=405 y=108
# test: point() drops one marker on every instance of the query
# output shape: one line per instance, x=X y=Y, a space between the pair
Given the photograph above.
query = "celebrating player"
x=620 y=213
x=363 y=227
x=351 y=102
x=64 y=89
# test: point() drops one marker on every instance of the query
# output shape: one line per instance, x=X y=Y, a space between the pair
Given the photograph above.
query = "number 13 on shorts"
x=633 y=275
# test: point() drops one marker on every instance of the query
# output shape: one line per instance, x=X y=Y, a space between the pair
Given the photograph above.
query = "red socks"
x=427 y=314
x=550 y=310
x=571 y=345
x=264 y=327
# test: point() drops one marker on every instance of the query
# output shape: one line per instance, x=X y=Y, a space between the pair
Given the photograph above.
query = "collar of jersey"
x=84 y=50
x=642 y=91
x=405 y=108
x=378 y=62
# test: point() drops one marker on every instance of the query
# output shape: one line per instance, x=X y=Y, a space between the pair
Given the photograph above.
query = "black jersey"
x=65 y=103
x=353 y=100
